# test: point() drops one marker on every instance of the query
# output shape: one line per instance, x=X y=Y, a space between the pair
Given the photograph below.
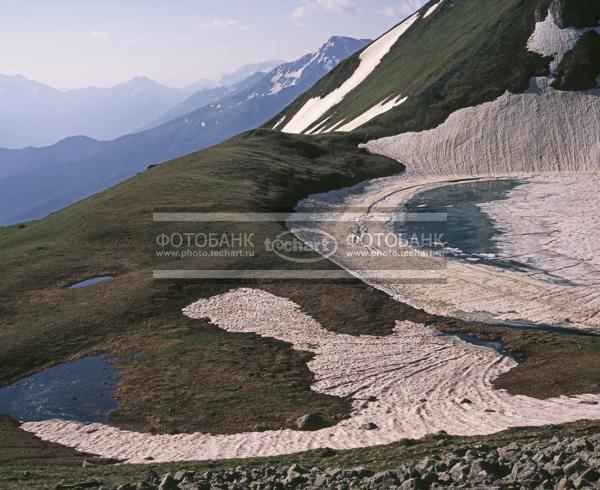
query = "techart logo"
x=289 y=247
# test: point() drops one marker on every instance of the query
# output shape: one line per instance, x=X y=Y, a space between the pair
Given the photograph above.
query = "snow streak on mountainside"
x=204 y=98
x=432 y=9
x=373 y=112
x=543 y=130
x=316 y=107
x=308 y=69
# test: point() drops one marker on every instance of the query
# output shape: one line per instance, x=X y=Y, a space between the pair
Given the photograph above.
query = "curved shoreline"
x=472 y=291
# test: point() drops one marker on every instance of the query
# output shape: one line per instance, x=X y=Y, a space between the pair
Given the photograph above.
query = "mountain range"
x=36 y=181
x=34 y=114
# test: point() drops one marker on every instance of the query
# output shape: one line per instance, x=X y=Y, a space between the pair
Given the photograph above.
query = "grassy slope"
x=465 y=44
x=43 y=323
x=22 y=450
x=577 y=13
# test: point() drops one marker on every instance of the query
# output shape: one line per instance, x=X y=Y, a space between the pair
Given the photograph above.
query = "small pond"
x=90 y=282
x=81 y=390
x=496 y=345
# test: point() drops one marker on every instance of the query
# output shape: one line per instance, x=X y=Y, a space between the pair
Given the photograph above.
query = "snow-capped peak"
x=316 y=64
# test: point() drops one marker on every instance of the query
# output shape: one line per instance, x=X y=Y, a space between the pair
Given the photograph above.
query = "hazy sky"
x=76 y=43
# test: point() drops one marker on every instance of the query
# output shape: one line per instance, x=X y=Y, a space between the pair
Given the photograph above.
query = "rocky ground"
x=561 y=463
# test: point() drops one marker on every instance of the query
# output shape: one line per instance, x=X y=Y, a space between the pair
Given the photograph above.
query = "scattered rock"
x=572 y=467
x=181 y=475
x=556 y=463
x=312 y=421
x=369 y=426
x=425 y=463
x=151 y=477
x=167 y=482
x=410 y=484
x=82 y=484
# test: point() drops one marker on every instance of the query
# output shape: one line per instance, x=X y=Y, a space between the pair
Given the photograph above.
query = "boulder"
x=572 y=467
x=459 y=472
x=151 y=477
x=312 y=421
x=181 y=475
x=411 y=483
x=591 y=475
x=167 y=482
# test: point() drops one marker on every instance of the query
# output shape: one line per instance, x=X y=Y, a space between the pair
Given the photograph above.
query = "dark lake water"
x=90 y=282
x=469 y=234
x=81 y=390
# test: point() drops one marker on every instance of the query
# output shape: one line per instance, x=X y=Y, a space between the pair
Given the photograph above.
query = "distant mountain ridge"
x=35 y=114
x=248 y=70
x=203 y=98
x=36 y=181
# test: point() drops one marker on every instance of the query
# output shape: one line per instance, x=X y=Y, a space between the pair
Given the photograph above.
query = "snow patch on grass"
x=419 y=380
x=372 y=113
x=548 y=39
x=432 y=9
x=319 y=127
x=279 y=123
x=370 y=58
